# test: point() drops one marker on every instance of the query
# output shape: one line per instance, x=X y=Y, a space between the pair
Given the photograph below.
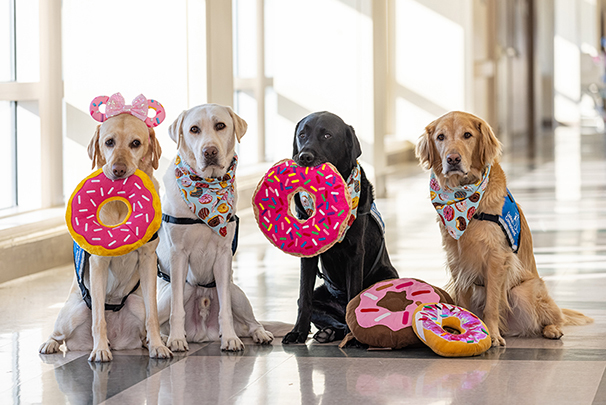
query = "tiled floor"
x=563 y=199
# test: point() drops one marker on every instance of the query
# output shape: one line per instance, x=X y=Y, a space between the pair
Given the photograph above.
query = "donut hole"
x=394 y=301
x=102 y=108
x=308 y=204
x=452 y=325
x=113 y=213
x=151 y=112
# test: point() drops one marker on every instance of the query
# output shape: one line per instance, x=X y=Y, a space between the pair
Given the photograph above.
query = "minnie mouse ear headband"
x=139 y=108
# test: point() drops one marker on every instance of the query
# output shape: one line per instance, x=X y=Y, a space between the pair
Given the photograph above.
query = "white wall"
x=153 y=47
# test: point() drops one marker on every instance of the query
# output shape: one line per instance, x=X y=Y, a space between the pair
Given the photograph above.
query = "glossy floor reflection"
x=563 y=199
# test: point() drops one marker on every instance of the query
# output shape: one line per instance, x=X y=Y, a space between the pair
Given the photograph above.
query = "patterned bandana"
x=211 y=199
x=353 y=184
x=457 y=207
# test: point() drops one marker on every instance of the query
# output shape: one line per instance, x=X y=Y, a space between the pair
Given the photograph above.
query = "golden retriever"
x=120 y=146
x=487 y=277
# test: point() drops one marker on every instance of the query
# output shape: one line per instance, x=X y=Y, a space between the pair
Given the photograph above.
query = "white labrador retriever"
x=195 y=247
x=121 y=145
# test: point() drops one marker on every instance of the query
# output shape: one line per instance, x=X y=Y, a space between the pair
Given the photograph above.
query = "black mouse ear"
x=295 y=147
x=356 y=149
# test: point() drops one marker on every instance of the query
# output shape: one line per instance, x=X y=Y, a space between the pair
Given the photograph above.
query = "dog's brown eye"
x=219 y=126
x=194 y=130
x=467 y=135
x=109 y=142
x=302 y=135
x=327 y=136
x=441 y=137
x=135 y=144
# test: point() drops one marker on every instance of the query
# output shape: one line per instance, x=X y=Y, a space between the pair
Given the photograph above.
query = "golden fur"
x=486 y=276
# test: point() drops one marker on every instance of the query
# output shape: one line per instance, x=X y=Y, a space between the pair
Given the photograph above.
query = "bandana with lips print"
x=211 y=199
x=456 y=207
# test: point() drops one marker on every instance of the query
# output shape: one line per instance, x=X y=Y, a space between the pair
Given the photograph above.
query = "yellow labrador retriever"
x=197 y=297
x=121 y=145
x=492 y=273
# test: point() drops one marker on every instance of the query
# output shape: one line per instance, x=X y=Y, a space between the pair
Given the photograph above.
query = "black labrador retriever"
x=352 y=265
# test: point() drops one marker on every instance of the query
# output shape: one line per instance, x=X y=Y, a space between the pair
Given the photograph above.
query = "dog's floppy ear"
x=489 y=146
x=94 y=153
x=425 y=149
x=240 y=126
x=356 y=149
x=155 y=149
x=175 y=131
x=295 y=147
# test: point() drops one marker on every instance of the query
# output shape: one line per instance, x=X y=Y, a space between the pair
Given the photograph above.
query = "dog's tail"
x=278 y=329
x=572 y=317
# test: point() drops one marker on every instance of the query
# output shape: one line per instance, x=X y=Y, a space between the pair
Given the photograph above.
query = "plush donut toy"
x=141 y=223
x=382 y=315
x=451 y=331
x=331 y=198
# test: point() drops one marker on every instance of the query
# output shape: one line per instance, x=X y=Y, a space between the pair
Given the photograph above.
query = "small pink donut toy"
x=272 y=202
x=451 y=331
x=141 y=223
x=160 y=114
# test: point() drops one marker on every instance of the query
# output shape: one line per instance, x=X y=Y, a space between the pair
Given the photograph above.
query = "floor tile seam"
x=236 y=394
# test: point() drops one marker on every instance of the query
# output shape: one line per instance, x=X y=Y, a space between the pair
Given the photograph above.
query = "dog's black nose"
x=119 y=169
x=306 y=158
x=453 y=159
x=210 y=152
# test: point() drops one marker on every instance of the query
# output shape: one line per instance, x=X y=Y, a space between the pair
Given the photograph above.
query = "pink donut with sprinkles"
x=160 y=113
x=143 y=220
x=451 y=331
x=95 y=107
x=272 y=201
x=369 y=314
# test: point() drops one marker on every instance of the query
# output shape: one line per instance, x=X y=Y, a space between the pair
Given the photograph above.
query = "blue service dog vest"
x=509 y=221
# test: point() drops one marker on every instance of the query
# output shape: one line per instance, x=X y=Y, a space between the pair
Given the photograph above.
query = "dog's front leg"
x=222 y=271
x=147 y=274
x=496 y=275
x=99 y=267
x=179 y=262
x=309 y=267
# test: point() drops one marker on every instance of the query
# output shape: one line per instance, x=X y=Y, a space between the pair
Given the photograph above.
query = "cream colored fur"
x=195 y=252
x=122 y=141
x=501 y=287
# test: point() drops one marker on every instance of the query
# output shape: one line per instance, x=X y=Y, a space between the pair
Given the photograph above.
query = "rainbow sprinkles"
x=331 y=199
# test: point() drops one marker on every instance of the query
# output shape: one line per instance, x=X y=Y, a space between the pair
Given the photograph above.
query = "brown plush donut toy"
x=381 y=315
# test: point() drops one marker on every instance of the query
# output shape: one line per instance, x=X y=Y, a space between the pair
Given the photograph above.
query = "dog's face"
x=206 y=137
x=458 y=146
x=123 y=144
x=324 y=137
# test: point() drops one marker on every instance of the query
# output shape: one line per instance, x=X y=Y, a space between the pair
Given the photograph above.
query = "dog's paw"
x=101 y=355
x=295 y=337
x=232 y=344
x=160 y=352
x=177 y=344
x=552 y=332
x=49 y=347
x=261 y=336
x=497 y=340
x=329 y=334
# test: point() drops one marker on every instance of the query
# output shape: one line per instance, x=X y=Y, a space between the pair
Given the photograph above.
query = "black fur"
x=346 y=266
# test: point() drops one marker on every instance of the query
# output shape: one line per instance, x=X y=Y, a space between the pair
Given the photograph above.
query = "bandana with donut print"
x=354 y=186
x=211 y=199
x=456 y=207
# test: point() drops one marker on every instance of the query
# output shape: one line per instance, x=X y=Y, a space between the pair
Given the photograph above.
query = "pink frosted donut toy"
x=140 y=224
x=331 y=199
x=160 y=113
x=451 y=331
x=369 y=314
